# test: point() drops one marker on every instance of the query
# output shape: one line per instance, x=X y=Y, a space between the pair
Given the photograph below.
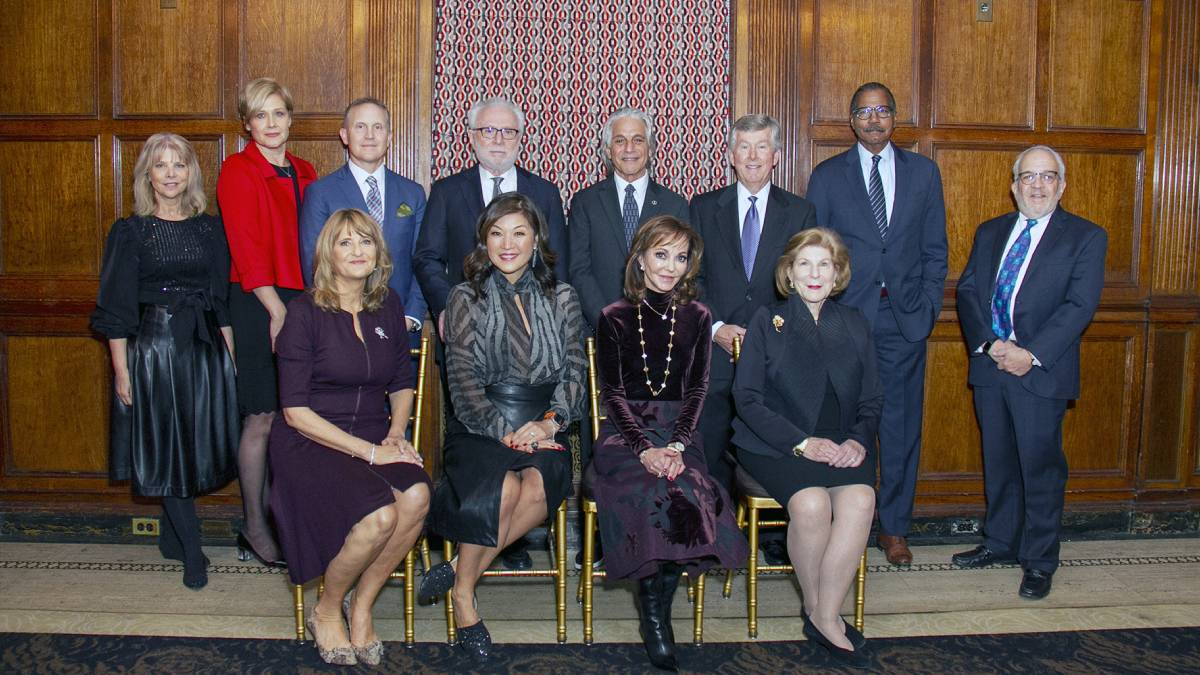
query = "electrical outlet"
x=983 y=12
x=964 y=526
x=146 y=526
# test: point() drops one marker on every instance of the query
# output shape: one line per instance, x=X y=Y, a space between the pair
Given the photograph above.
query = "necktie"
x=751 y=229
x=1006 y=282
x=374 y=200
x=496 y=191
x=629 y=213
x=878 y=201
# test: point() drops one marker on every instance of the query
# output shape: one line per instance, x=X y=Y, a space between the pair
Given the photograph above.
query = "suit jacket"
x=449 y=231
x=598 y=248
x=912 y=262
x=779 y=386
x=723 y=285
x=1055 y=303
x=339 y=190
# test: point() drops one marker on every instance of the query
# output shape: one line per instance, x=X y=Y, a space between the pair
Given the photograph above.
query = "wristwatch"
x=676 y=446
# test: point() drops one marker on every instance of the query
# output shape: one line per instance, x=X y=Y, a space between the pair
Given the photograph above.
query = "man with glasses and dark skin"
x=1030 y=288
x=887 y=205
x=495 y=129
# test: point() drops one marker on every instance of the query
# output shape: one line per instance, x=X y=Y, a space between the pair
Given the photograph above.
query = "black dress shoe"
x=855 y=636
x=1035 y=584
x=850 y=657
x=774 y=552
x=475 y=641
x=980 y=556
x=515 y=557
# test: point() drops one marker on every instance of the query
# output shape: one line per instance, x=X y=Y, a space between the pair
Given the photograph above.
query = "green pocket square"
x=404 y=210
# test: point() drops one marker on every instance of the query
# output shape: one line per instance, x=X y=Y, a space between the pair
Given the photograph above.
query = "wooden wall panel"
x=862 y=41
x=1098 y=64
x=48 y=57
x=1170 y=393
x=1008 y=66
x=57 y=406
x=950 y=442
x=1106 y=188
x=326 y=154
x=49 y=216
x=976 y=181
x=1101 y=429
x=167 y=61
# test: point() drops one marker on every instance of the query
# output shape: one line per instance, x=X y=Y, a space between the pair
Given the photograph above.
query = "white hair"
x=1062 y=167
x=480 y=106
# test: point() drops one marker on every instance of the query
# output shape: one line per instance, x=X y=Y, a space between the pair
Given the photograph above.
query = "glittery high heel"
x=476 y=641
x=371 y=653
x=338 y=656
x=435 y=583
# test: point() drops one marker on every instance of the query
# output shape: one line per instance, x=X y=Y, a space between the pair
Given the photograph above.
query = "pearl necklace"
x=670 y=344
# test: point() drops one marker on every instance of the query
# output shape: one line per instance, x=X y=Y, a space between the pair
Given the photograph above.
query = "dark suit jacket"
x=449 y=232
x=598 y=249
x=1055 y=303
x=339 y=190
x=778 y=389
x=913 y=259
x=723 y=284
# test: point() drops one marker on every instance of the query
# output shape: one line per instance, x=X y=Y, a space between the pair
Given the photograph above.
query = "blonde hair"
x=814 y=236
x=255 y=94
x=145 y=202
x=324 y=286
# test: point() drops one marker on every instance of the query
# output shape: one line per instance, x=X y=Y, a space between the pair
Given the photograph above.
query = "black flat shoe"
x=435 y=583
x=980 y=556
x=516 y=559
x=245 y=551
x=855 y=636
x=850 y=657
x=195 y=574
x=1035 y=585
x=475 y=641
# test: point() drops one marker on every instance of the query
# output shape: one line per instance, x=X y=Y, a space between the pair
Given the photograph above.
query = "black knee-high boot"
x=182 y=514
x=669 y=574
x=656 y=635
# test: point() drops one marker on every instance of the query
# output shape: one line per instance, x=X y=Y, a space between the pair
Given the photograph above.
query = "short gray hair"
x=755 y=122
x=367 y=100
x=1062 y=167
x=622 y=114
x=480 y=106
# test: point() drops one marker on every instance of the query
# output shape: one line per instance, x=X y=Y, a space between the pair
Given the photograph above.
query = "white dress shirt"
x=509 y=184
x=887 y=173
x=639 y=191
x=360 y=176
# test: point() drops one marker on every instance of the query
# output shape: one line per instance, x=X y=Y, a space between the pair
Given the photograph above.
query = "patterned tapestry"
x=569 y=64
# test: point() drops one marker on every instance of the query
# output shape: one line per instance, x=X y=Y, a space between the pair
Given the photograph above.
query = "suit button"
x=884 y=251
x=747 y=297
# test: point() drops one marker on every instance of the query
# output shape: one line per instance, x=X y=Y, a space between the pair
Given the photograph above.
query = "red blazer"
x=259 y=210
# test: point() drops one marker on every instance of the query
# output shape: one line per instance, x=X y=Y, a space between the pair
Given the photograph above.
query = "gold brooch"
x=777 y=321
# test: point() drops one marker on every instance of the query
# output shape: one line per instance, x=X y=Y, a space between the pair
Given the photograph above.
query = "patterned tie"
x=1006 y=282
x=374 y=200
x=751 y=229
x=629 y=213
x=496 y=191
x=878 y=202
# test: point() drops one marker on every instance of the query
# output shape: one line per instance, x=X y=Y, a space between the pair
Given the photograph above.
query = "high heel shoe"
x=855 y=636
x=475 y=641
x=435 y=583
x=371 y=653
x=850 y=657
x=338 y=656
x=245 y=551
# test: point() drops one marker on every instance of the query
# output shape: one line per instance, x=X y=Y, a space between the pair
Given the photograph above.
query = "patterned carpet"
x=1163 y=650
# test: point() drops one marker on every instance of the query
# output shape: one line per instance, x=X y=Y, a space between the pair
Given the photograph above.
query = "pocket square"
x=404 y=210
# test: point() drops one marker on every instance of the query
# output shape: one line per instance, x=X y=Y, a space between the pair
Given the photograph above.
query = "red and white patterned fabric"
x=569 y=64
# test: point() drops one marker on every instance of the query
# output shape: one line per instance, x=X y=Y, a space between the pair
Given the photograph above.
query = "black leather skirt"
x=466 y=504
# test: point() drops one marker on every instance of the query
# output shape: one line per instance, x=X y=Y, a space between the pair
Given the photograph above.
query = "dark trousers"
x=1024 y=472
x=902 y=376
x=715 y=422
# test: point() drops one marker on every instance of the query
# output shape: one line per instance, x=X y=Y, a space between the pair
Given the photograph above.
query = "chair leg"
x=560 y=576
x=727 y=591
x=425 y=562
x=586 y=581
x=860 y=592
x=298 y=606
x=451 y=633
x=410 y=600
x=691 y=591
x=752 y=576
x=698 y=612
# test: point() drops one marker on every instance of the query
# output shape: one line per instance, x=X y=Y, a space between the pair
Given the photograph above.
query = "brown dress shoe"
x=895 y=548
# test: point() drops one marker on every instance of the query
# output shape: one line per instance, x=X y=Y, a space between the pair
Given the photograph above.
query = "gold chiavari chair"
x=407 y=574
x=752 y=499
x=588 y=575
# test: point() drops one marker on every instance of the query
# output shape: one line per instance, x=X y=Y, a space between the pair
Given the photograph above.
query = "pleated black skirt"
x=179 y=437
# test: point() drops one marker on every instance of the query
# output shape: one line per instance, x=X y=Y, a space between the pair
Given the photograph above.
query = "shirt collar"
x=744 y=193
x=509 y=176
x=639 y=185
x=885 y=156
x=360 y=174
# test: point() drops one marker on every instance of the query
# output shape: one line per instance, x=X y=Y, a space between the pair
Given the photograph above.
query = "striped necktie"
x=374 y=200
x=878 y=201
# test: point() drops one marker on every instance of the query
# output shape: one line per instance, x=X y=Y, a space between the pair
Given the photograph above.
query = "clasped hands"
x=397 y=449
x=848 y=454
x=1010 y=358
x=533 y=436
x=662 y=462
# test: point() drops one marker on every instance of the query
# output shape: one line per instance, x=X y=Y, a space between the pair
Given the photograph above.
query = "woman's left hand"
x=407 y=452
x=852 y=453
x=532 y=437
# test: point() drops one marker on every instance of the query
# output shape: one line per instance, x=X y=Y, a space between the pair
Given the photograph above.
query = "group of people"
x=278 y=337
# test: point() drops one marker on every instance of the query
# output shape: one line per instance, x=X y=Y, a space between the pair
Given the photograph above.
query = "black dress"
x=163 y=287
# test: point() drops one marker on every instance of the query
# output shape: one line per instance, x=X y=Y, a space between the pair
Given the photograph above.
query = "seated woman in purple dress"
x=349 y=494
x=515 y=369
x=660 y=512
x=808 y=399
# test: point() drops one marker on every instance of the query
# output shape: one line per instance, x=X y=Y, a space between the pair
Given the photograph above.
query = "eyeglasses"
x=864 y=113
x=490 y=132
x=1031 y=177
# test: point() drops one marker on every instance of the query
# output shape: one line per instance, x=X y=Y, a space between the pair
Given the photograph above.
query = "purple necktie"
x=751 y=230
x=1006 y=281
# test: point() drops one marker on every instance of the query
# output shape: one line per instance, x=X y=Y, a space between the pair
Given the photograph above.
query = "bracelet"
x=371 y=461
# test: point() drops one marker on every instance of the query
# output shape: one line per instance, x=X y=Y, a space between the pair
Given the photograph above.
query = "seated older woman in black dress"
x=349 y=494
x=660 y=512
x=808 y=399
x=515 y=368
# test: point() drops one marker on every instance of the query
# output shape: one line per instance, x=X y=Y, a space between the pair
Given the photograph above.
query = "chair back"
x=593 y=388
x=422 y=355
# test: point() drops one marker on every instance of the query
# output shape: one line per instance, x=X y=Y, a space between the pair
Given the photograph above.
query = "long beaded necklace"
x=670 y=344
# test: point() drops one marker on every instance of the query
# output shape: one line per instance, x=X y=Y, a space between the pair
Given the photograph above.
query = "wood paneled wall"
x=1112 y=84
x=86 y=82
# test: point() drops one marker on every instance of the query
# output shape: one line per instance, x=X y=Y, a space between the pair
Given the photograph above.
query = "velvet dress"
x=317 y=493
x=644 y=519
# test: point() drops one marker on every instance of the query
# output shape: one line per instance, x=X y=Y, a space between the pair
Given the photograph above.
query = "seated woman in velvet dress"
x=349 y=494
x=660 y=512
x=515 y=369
x=808 y=400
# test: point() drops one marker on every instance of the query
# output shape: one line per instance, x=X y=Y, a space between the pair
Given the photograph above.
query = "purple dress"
x=317 y=493
x=645 y=520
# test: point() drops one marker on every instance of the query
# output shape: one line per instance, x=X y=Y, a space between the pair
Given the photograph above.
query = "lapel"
x=350 y=190
x=650 y=206
x=612 y=216
x=727 y=222
x=902 y=190
x=774 y=233
x=391 y=197
x=472 y=190
x=1054 y=231
x=997 y=257
x=858 y=190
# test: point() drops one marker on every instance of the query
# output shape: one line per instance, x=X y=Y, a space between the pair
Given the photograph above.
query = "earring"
x=533 y=263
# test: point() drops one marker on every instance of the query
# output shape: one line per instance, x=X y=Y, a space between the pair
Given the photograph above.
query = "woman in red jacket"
x=259 y=191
